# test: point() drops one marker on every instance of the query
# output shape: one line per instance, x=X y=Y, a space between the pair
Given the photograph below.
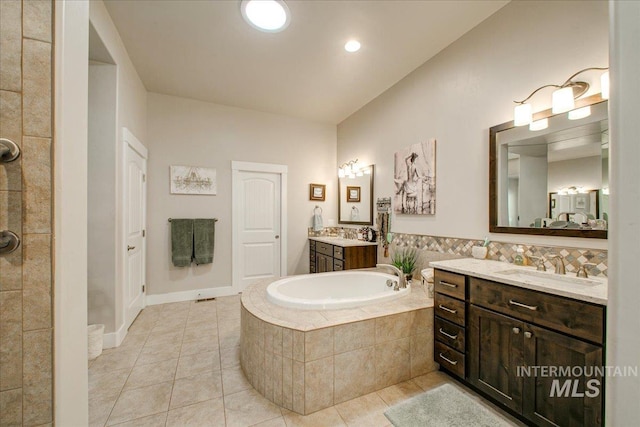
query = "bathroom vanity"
x=337 y=254
x=503 y=330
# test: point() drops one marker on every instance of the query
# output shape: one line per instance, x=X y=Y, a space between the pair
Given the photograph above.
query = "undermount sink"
x=547 y=278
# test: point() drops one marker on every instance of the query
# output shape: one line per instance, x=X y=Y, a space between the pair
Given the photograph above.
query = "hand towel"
x=181 y=242
x=204 y=231
x=317 y=222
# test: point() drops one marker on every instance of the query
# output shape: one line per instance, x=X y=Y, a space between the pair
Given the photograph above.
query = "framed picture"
x=353 y=194
x=415 y=179
x=317 y=192
x=193 y=180
x=581 y=202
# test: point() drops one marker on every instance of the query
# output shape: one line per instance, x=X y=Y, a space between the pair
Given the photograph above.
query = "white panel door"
x=134 y=225
x=257 y=222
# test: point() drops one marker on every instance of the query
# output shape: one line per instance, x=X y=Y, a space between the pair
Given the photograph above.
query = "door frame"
x=129 y=139
x=236 y=168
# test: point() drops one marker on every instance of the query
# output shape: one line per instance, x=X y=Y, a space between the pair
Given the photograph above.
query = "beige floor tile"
x=365 y=411
x=152 y=373
x=107 y=384
x=134 y=341
x=201 y=333
x=247 y=408
x=328 y=417
x=193 y=364
x=114 y=360
x=100 y=408
x=227 y=300
x=158 y=353
x=276 y=422
x=201 y=346
x=209 y=413
x=399 y=392
x=230 y=356
x=233 y=380
x=157 y=420
x=167 y=328
x=165 y=337
x=432 y=380
x=195 y=389
x=141 y=402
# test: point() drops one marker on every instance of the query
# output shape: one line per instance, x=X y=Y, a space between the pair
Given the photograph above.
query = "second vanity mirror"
x=355 y=198
x=552 y=181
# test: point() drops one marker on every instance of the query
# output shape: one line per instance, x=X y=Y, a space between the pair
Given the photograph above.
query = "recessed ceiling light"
x=352 y=46
x=270 y=16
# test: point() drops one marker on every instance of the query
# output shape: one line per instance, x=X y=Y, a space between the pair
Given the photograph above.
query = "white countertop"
x=342 y=242
x=595 y=291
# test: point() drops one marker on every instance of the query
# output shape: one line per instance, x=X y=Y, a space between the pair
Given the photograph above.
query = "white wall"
x=101 y=184
x=463 y=91
x=623 y=322
x=194 y=133
x=131 y=112
x=532 y=190
x=583 y=172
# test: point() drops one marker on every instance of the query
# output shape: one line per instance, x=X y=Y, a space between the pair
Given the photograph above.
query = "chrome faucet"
x=558 y=262
x=401 y=283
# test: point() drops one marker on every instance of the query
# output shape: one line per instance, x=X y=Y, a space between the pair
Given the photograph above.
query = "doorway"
x=259 y=222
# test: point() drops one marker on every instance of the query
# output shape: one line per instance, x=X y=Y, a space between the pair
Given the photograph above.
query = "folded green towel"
x=204 y=231
x=181 y=242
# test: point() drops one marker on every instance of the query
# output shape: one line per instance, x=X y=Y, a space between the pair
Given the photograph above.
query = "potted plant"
x=405 y=259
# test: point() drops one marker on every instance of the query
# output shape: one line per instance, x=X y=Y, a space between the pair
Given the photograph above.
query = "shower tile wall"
x=26 y=324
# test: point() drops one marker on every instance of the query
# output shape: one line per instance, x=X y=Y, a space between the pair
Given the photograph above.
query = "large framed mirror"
x=552 y=181
x=355 y=198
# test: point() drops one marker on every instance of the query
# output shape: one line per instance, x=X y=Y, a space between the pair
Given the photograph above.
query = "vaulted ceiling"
x=204 y=50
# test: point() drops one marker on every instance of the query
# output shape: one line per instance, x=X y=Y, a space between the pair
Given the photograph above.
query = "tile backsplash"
x=451 y=247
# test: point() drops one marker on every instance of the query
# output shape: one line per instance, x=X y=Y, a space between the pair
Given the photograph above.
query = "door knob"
x=130 y=248
x=277 y=236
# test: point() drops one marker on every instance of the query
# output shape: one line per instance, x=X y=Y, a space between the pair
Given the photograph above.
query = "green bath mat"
x=444 y=406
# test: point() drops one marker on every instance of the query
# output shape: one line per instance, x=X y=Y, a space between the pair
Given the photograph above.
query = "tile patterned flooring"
x=179 y=366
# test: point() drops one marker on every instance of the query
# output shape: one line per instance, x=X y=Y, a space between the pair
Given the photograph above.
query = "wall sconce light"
x=350 y=169
x=562 y=99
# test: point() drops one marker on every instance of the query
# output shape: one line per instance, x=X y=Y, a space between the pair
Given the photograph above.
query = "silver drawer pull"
x=453 y=362
x=442 y=307
x=453 y=337
x=451 y=285
x=519 y=304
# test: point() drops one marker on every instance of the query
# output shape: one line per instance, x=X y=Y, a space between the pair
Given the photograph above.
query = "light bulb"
x=352 y=46
x=340 y=173
x=580 y=113
x=562 y=100
x=539 y=125
x=522 y=115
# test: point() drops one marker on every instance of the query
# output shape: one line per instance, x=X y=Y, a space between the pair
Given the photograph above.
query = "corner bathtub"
x=339 y=289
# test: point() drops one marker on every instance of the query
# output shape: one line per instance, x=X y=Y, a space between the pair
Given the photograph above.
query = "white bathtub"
x=339 y=289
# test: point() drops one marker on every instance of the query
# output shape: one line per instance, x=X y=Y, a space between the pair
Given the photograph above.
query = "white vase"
x=479 y=252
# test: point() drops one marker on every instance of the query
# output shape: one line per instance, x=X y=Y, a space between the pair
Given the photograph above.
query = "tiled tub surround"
x=308 y=360
x=452 y=247
x=26 y=321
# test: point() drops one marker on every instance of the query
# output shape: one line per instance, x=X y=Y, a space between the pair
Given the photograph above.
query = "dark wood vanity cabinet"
x=450 y=293
x=325 y=257
x=514 y=336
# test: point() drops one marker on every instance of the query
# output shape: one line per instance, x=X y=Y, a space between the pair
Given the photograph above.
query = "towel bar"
x=214 y=219
x=9 y=150
x=9 y=242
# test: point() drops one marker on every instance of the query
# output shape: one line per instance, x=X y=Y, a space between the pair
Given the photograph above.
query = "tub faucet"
x=401 y=283
x=558 y=262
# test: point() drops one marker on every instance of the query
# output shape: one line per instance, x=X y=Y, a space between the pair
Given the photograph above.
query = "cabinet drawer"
x=451 y=284
x=449 y=308
x=338 y=252
x=449 y=359
x=450 y=334
x=572 y=317
x=324 y=248
x=338 y=265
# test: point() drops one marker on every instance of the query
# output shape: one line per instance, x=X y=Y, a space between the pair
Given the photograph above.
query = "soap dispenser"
x=520 y=258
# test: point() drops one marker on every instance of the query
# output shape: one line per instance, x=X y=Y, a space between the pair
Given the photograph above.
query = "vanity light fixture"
x=580 y=113
x=350 y=169
x=271 y=16
x=563 y=98
x=539 y=124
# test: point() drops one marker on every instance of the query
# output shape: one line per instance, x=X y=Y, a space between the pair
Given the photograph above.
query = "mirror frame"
x=371 y=179
x=493 y=184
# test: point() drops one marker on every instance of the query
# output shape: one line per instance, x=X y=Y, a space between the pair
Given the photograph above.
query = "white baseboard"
x=114 y=339
x=189 y=295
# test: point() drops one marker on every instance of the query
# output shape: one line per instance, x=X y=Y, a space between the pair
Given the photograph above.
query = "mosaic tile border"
x=498 y=251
